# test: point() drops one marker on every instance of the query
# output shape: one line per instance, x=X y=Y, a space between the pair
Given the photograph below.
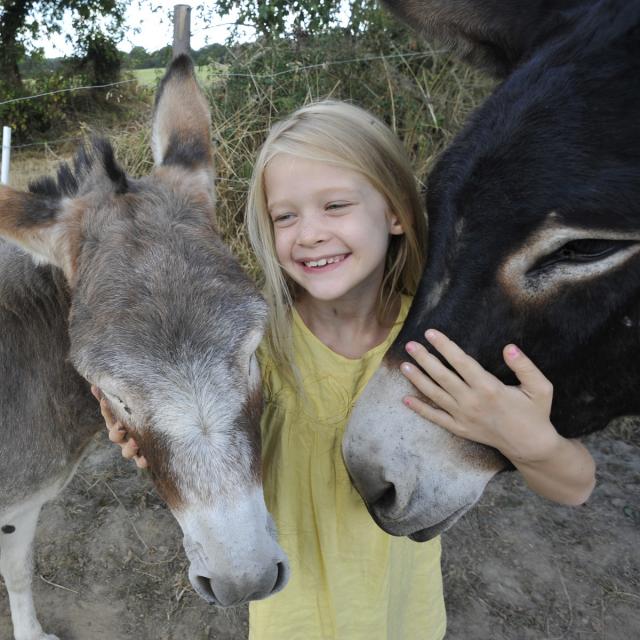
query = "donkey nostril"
x=385 y=499
x=282 y=577
x=207 y=590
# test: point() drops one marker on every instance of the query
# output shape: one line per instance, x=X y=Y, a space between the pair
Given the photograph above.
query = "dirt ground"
x=110 y=564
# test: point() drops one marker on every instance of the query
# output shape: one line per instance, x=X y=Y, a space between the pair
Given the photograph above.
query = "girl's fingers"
x=427 y=387
x=451 y=382
x=130 y=451
x=437 y=416
x=141 y=461
x=117 y=434
x=106 y=413
x=467 y=367
x=533 y=382
x=129 y=448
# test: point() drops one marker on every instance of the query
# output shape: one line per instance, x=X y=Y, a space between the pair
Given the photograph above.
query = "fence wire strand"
x=319 y=65
x=50 y=93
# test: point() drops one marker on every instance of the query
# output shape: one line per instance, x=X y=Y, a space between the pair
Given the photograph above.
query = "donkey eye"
x=124 y=407
x=580 y=251
x=120 y=402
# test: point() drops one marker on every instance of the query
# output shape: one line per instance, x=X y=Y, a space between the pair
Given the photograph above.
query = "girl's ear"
x=395 y=226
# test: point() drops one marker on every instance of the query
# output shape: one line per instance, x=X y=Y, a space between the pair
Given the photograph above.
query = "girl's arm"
x=474 y=404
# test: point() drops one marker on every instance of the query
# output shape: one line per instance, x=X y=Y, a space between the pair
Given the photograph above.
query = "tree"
x=23 y=20
x=138 y=58
x=99 y=59
x=273 y=18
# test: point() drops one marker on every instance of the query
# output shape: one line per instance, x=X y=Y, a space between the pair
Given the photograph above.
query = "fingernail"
x=513 y=351
x=405 y=367
x=431 y=334
x=407 y=401
x=411 y=347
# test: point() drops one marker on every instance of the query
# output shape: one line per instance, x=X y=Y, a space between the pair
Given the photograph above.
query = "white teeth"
x=323 y=261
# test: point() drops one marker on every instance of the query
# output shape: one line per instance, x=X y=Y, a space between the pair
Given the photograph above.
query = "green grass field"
x=150 y=77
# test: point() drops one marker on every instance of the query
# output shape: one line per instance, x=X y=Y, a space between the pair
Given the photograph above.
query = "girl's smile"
x=323 y=264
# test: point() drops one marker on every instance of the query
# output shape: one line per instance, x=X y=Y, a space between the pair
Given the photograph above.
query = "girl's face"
x=331 y=227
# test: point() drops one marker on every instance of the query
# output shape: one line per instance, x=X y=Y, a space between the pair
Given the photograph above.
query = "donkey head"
x=534 y=238
x=166 y=323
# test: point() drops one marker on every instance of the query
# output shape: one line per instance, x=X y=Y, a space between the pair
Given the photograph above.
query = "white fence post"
x=6 y=155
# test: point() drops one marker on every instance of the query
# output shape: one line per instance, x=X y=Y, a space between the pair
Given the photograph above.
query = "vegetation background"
x=373 y=61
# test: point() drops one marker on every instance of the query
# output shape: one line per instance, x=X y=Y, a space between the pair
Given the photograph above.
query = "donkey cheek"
x=167 y=487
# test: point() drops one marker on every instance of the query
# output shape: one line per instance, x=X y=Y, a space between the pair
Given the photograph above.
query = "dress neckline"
x=300 y=324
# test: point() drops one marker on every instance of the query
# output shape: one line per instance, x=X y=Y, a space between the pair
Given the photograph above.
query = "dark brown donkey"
x=125 y=283
x=534 y=238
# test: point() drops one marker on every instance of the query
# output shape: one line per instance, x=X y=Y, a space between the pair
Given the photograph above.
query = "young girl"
x=337 y=224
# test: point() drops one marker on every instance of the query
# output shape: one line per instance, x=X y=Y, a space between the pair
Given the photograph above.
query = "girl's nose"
x=311 y=233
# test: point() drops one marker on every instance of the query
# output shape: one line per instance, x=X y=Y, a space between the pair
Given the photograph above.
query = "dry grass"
x=423 y=95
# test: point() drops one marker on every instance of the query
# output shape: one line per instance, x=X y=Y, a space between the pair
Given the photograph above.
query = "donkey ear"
x=39 y=225
x=491 y=34
x=181 y=135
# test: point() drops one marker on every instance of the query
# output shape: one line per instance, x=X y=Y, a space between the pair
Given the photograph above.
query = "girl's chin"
x=320 y=295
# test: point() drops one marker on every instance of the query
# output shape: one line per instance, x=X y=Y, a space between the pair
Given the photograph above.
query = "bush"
x=34 y=116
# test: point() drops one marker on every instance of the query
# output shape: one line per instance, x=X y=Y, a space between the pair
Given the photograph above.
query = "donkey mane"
x=93 y=159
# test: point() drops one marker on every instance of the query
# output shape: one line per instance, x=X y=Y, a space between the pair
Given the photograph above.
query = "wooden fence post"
x=181 y=29
x=6 y=155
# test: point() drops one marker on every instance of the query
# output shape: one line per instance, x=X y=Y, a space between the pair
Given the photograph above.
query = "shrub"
x=29 y=117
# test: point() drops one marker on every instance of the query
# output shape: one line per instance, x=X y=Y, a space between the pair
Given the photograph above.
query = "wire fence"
x=215 y=73
x=222 y=74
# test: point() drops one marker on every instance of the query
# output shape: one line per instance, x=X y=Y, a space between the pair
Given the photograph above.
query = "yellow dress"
x=349 y=580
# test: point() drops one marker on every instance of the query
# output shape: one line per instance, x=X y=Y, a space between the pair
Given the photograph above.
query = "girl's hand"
x=117 y=432
x=474 y=404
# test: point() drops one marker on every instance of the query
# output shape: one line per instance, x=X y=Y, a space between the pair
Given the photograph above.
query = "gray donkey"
x=124 y=283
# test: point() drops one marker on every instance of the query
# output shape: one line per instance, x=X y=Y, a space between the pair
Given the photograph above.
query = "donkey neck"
x=48 y=412
x=27 y=288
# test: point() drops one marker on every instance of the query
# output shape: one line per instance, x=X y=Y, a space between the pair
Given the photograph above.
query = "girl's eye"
x=283 y=219
x=334 y=206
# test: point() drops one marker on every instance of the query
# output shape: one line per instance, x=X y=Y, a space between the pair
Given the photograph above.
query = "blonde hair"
x=347 y=136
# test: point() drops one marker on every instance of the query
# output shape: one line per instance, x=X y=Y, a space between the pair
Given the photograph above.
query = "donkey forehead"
x=164 y=296
x=154 y=277
x=557 y=135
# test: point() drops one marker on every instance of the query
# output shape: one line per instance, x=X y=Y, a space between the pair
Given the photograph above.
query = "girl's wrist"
x=542 y=448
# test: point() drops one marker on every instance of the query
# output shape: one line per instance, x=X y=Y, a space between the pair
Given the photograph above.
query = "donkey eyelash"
x=122 y=404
